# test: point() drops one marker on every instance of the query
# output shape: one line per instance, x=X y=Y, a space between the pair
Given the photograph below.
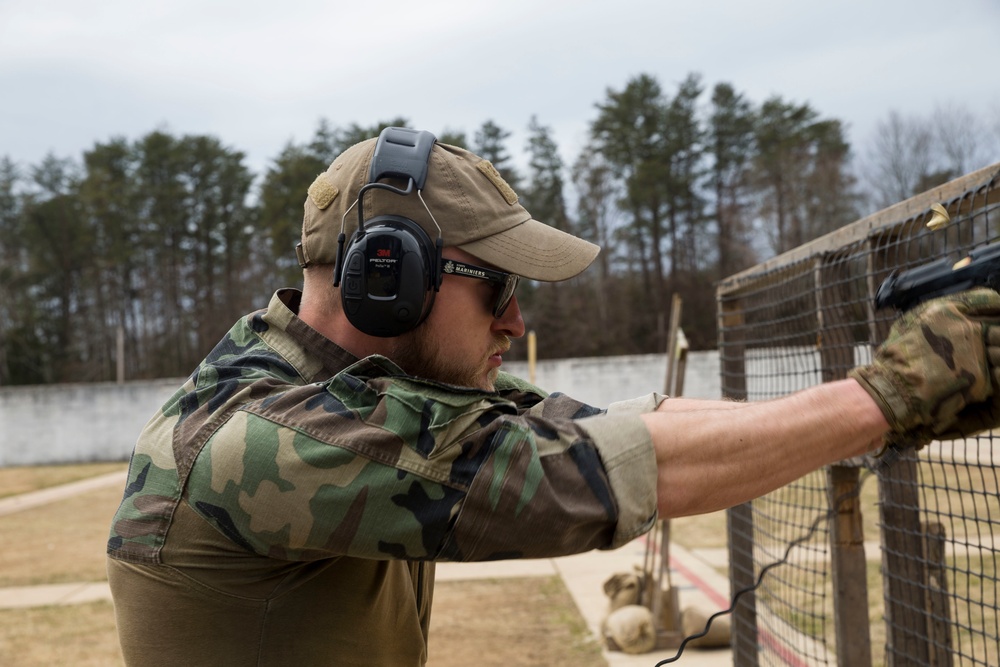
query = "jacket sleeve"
x=379 y=465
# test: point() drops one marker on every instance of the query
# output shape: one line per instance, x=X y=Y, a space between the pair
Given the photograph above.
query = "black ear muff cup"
x=386 y=288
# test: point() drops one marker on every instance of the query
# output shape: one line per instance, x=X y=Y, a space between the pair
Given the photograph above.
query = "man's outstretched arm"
x=715 y=454
x=936 y=375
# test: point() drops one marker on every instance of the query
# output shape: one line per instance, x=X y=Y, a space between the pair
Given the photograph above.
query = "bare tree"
x=959 y=139
x=899 y=157
x=908 y=156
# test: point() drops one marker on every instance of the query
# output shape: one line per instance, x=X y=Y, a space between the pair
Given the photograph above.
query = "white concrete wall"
x=72 y=423
x=76 y=423
x=601 y=381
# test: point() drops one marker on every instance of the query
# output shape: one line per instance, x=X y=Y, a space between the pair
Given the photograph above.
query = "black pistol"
x=904 y=290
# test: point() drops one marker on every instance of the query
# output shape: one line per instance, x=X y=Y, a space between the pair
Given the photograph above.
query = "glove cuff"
x=889 y=393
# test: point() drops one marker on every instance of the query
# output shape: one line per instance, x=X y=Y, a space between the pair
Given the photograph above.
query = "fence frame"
x=910 y=607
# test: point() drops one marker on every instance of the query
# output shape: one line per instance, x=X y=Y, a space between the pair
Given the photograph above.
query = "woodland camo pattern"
x=291 y=457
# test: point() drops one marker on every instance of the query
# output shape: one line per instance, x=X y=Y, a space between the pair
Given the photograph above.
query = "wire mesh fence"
x=890 y=561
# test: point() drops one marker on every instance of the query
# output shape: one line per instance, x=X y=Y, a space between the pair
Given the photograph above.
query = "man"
x=286 y=506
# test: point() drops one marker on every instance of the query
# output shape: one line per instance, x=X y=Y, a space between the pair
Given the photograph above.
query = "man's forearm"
x=716 y=454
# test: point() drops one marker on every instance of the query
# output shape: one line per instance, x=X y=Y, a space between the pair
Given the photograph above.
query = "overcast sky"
x=260 y=74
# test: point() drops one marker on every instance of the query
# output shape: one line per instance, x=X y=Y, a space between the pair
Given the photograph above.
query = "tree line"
x=134 y=260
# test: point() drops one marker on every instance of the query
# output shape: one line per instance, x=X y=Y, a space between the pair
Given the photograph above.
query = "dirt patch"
x=530 y=622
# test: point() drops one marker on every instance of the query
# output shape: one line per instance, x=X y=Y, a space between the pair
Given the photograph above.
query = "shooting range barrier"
x=905 y=571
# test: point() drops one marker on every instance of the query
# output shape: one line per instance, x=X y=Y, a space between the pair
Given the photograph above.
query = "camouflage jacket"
x=287 y=504
x=293 y=449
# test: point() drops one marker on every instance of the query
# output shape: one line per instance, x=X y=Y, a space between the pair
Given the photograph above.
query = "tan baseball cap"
x=476 y=209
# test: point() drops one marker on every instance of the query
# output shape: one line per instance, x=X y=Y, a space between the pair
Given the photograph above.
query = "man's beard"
x=419 y=356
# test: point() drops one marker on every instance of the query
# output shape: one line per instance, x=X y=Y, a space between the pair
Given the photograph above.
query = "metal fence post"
x=902 y=563
x=849 y=570
x=739 y=519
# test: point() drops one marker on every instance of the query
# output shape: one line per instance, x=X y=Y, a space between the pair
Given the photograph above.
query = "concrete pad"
x=89 y=593
x=717 y=557
x=500 y=569
x=23 y=597
x=697 y=582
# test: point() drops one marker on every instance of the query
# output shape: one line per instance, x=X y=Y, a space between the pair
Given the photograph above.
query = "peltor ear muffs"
x=390 y=271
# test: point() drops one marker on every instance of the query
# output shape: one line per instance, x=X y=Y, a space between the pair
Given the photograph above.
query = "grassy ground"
x=57 y=543
x=60 y=542
x=526 y=622
x=705 y=531
x=23 y=479
x=79 y=635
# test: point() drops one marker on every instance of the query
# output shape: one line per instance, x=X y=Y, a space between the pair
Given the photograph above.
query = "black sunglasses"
x=505 y=283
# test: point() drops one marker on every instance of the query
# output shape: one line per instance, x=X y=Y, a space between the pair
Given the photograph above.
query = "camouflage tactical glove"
x=977 y=417
x=933 y=375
